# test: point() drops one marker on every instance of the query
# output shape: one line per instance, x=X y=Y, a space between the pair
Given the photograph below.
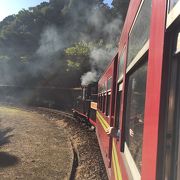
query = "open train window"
x=108 y=104
x=134 y=121
x=108 y=100
x=99 y=101
x=118 y=104
x=103 y=103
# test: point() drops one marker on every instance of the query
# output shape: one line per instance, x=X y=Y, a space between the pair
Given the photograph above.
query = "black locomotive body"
x=86 y=104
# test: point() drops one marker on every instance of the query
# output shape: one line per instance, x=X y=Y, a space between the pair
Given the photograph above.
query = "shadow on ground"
x=7 y=160
x=4 y=137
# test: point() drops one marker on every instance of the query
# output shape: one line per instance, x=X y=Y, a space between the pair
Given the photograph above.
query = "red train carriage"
x=138 y=95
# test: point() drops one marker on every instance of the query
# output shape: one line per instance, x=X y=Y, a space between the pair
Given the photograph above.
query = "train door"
x=169 y=153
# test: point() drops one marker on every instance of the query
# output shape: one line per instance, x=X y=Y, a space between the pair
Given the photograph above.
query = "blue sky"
x=108 y=2
x=8 y=7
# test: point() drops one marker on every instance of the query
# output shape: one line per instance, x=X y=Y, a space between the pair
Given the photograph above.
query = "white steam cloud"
x=88 y=77
x=50 y=42
x=102 y=56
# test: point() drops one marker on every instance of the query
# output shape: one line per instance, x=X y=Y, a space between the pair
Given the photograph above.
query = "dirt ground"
x=89 y=164
x=32 y=148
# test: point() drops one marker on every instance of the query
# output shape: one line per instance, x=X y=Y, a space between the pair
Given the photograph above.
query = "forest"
x=60 y=43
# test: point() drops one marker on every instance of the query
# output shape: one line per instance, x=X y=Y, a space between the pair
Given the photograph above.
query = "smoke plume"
x=51 y=41
x=102 y=56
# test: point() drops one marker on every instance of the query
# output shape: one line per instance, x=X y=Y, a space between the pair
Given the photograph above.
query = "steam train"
x=139 y=96
x=86 y=104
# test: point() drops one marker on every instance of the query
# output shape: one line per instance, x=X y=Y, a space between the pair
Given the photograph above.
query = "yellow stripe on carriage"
x=103 y=122
x=117 y=170
x=114 y=165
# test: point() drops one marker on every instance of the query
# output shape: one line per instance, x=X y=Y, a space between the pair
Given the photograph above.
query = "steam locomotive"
x=139 y=96
x=86 y=104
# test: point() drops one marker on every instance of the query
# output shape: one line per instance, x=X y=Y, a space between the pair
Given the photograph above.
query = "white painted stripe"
x=173 y=14
x=138 y=56
x=132 y=165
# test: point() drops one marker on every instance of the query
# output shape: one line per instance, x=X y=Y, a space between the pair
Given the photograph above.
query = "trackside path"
x=31 y=147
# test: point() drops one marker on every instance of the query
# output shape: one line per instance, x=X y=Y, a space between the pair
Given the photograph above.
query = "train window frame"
x=108 y=103
x=104 y=103
x=131 y=163
x=144 y=47
x=99 y=101
x=118 y=109
x=128 y=156
x=121 y=60
x=172 y=14
x=168 y=147
x=100 y=105
x=171 y=5
x=109 y=83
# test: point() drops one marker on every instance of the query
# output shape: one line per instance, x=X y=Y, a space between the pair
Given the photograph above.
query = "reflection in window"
x=173 y=3
x=135 y=113
x=140 y=31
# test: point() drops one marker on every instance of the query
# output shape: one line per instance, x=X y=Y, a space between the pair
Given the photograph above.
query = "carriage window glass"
x=100 y=89
x=109 y=83
x=121 y=66
x=173 y=3
x=103 y=106
x=140 y=31
x=101 y=99
x=101 y=102
x=108 y=104
x=118 y=104
x=135 y=113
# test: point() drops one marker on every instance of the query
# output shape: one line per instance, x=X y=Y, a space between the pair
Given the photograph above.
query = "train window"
x=140 y=31
x=108 y=104
x=100 y=88
x=121 y=66
x=173 y=3
x=109 y=83
x=103 y=103
x=100 y=102
x=118 y=104
x=134 y=123
x=171 y=141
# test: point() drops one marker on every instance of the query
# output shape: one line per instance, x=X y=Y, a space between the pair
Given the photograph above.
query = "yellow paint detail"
x=103 y=122
x=116 y=167
x=117 y=170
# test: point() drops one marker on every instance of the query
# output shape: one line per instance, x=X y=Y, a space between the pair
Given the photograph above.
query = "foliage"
x=79 y=49
x=21 y=37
